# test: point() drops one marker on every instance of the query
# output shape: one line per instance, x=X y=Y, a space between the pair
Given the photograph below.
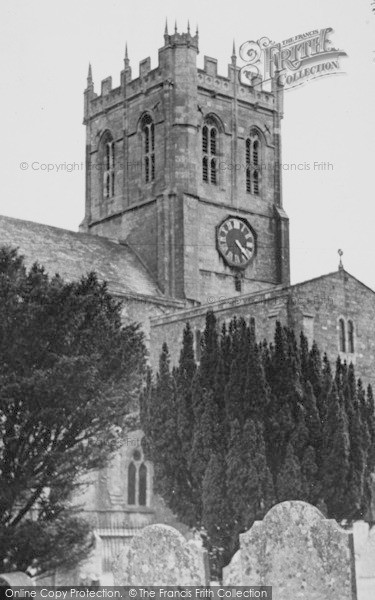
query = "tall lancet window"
x=108 y=166
x=351 y=337
x=253 y=157
x=137 y=480
x=210 y=151
x=148 y=133
x=342 y=336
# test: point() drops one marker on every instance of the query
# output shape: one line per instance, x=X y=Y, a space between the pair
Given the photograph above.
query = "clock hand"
x=242 y=249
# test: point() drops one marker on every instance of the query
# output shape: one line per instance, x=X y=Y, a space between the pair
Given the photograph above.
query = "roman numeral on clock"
x=235 y=242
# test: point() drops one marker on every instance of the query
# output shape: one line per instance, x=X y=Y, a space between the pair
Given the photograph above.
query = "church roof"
x=333 y=275
x=73 y=255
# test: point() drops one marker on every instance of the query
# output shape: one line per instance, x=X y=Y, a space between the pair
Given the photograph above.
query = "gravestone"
x=160 y=555
x=299 y=553
x=364 y=546
x=232 y=573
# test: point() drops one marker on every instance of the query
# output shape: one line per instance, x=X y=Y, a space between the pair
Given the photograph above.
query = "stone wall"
x=314 y=307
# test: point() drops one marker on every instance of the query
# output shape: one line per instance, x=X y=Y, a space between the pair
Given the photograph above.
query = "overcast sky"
x=45 y=49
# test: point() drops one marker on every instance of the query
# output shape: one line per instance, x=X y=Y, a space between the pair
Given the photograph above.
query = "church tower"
x=182 y=165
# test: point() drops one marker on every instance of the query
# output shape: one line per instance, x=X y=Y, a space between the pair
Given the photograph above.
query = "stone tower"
x=182 y=164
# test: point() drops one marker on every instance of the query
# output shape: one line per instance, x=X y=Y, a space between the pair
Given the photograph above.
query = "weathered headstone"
x=232 y=573
x=160 y=555
x=364 y=546
x=299 y=553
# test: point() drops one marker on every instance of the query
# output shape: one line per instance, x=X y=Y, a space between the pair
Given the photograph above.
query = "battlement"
x=215 y=84
x=208 y=79
x=181 y=39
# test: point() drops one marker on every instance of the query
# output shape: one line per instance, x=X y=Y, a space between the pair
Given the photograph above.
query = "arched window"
x=205 y=168
x=142 y=487
x=256 y=182
x=108 y=166
x=210 y=151
x=342 y=336
x=248 y=179
x=131 y=483
x=137 y=480
x=256 y=152
x=253 y=154
x=213 y=170
x=205 y=139
x=148 y=133
x=350 y=337
x=213 y=134
x=248 y=169
x=248 y=153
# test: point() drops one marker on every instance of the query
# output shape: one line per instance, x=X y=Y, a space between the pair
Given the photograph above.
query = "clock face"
x=236 y=242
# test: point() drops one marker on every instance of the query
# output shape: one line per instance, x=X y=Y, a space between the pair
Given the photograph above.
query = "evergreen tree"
x=285 y=390
x=69 y=376
x=203 y=403
x=304 y=357
x=184 y=376
x=209 y=353
x=226 y=352
x=222 y=425
x=216 y=517
x=314 y=371
x=311 y=485
x=322 y=399
x=249 y=482
x=368 y=443
x=266 y=423
x=312 y=418
x=289 y=479
x=299 y=438
x=256 y=392
x=161 y=432
x=336 y=456
x=235 y=390
x=370 y=412
x=358 y=451
x=205 y=437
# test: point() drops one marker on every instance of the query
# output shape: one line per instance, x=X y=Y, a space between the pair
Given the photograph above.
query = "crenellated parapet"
x=208 y=81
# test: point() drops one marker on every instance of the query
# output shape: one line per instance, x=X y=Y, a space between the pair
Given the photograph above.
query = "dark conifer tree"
x=370 y=410
x=289 y=479
x=209 y=353
x=311 y=485
x=161 y=432
x=322 y=400
x=314 y=370
x=256 y=392
x=285 y=393
x=300 y=435
x=235 y=389
x=336 y=456
x=357 y=437
x=226 y=351
x=249 y=481
x=185 y=374
x=312 y=418
x=266 y=423
x=304 y=357
x=217 y=518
